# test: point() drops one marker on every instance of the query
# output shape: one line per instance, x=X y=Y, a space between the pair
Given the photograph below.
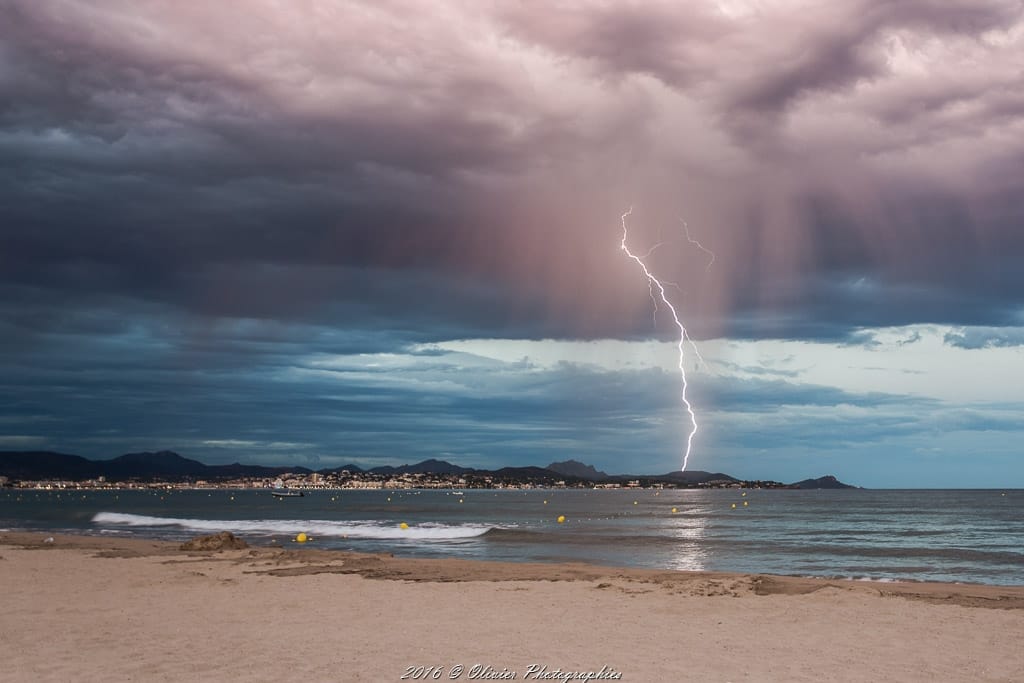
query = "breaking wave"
x=317 y=527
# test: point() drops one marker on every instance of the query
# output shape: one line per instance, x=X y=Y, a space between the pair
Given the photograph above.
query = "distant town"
x=168 y=470
x=364 y=480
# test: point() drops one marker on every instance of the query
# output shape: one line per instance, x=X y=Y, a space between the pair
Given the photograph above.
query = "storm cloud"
x=207 y=157
x=240 y=187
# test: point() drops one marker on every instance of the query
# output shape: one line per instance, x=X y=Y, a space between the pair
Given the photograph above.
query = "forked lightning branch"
x=657 y=290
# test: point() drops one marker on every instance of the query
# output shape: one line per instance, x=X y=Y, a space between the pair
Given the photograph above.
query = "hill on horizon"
x=826 y=482
x=575 y=468
x=171 y=466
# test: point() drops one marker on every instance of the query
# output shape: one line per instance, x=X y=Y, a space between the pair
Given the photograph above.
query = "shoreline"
x=94 y=608
x=955 y=538
x=387 y=566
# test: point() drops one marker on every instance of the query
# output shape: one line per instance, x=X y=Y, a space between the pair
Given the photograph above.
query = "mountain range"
x=169 y=466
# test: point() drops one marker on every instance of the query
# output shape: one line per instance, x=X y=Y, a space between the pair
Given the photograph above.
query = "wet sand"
x=90 y=609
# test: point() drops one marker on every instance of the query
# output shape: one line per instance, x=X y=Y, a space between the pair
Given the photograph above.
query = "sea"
x=961 y=536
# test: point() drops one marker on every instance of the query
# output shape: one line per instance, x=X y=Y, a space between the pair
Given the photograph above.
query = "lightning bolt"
x=699 y=245
x=655 y=284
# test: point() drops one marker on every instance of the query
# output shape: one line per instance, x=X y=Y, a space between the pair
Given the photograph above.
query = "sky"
x=321 y=232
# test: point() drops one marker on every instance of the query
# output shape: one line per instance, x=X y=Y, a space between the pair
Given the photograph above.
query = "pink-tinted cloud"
x=478 y=155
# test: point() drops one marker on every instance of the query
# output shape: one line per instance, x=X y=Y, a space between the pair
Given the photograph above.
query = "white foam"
x=852 y=577
x=314 y=527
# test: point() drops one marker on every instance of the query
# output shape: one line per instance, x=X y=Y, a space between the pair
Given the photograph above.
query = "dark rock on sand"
x=225 y=540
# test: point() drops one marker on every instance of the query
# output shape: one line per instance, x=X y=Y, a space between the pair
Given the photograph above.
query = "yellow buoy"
x=674 y=510
x=744 y=503
x=545 y=502
x=744 y=494
x=460 y=500
x=634 y=502
x=561 y=519
x=734 y=506
x=403 y=525
x=389 y=500
x=301 y=538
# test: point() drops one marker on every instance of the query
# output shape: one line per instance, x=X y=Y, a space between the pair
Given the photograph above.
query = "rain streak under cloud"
x=323 y=232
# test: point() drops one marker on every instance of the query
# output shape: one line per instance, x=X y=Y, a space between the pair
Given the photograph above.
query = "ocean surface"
x=967 y=536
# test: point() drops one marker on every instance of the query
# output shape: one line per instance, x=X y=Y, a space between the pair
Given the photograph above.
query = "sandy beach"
x=91 y=609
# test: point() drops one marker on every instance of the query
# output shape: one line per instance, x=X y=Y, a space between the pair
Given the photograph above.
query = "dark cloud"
x=209 y=196
x=147 y=157
x=272 y=397
x=834 y=47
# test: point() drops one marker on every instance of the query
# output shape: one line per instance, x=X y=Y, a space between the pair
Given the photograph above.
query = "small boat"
x=286 y=493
